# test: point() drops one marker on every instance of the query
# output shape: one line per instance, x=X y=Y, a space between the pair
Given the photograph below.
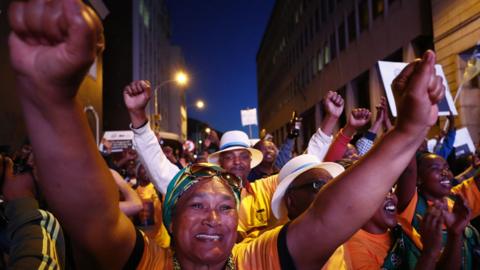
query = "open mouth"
x=446 y=183
x=208 y=237
x=390 y=208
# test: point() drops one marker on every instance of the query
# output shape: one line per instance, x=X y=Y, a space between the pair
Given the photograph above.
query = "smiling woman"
x=200 y=212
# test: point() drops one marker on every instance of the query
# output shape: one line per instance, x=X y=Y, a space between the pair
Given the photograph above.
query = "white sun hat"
x=233 y=140
x=291 y=170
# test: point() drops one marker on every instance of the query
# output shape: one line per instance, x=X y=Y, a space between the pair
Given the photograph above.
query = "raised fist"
x=52 y=45
x=136 y=95
x=419 y=90
x=333 y=104
x=359 y=117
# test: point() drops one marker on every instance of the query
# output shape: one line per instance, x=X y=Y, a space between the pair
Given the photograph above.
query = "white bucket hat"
x=233 y=140
x=291 y=170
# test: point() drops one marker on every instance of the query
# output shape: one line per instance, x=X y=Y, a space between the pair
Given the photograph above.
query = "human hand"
x=333 y=104
x=431 y=230
x=136 y=95
x=458 y=219
x=420 y=90
x=52 y=45
x=129 y=154
x=16 y=186
x=359 y=117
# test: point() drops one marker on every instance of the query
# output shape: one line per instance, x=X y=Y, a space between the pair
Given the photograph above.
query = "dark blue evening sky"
x=219 y=40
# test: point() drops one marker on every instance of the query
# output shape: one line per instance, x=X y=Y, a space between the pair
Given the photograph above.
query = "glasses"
x=315 y=185
x=202 y=170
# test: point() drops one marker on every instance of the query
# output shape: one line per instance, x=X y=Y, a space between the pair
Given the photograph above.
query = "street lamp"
x=200 y=104
x=180 y=78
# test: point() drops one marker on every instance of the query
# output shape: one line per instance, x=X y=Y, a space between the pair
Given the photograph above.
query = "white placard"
x=120 y=140
x=249 y=117
x=390 y=70
x=463 y=138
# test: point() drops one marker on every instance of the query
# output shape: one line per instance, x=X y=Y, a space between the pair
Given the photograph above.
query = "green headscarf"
x=185 y=179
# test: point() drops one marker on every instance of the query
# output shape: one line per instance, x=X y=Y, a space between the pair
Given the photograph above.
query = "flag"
x=473 y=65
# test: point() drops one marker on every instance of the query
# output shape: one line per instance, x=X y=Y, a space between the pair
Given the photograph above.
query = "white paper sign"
x=249 y=117
x=463 y=138
x=120 y=139
x=390 y=70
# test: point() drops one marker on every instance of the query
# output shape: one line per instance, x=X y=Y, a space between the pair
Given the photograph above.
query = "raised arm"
x=346 y=203
x=52 y=45
x=136 y=96
x=365 y=143
x=357 y=119
x=320 y=141
x=132 y=204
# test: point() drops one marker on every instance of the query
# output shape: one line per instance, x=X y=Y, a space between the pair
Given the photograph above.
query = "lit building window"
x=320 y=60
x=327 y=54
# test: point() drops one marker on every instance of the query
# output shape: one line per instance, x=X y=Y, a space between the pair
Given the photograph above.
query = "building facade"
x=456 y=31
x=313 y=46
x=139 y=48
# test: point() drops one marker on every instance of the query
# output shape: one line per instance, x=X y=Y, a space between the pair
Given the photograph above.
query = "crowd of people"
x=371 y=195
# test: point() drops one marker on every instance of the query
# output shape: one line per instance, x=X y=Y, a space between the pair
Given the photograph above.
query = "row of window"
x=344 y=34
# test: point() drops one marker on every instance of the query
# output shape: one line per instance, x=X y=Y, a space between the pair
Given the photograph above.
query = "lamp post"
x=181 y=79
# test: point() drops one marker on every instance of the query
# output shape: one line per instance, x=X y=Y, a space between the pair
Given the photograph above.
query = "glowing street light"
x=181 y=78
x=208 y=130
x=200 y=104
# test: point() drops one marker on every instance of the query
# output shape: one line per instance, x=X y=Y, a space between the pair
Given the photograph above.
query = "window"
x=324 y=11
x=378 y=8
x=333 y=46
x=317 y=20
x=327 y=54
x=364 y=15
x=352 y=27
x=341 y=37
x=312 y=28
x=331 y=6
x=320 y=60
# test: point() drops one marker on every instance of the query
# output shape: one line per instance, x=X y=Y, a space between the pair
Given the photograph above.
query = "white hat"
x=233 y=140
x=291 y=170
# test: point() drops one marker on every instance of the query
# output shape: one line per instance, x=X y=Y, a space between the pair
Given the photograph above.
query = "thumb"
x=402 y=79
x=423 y=73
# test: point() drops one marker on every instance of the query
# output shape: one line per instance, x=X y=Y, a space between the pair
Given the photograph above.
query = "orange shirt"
x=260 y=253
x=368 y=251
x=467 y=189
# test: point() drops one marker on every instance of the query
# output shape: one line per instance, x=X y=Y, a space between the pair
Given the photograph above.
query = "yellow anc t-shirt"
x=261 y=253
x=255 y=215
x=467 y=189
x=158 y=231
x=367 y=251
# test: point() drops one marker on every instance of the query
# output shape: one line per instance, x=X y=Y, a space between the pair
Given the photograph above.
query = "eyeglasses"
x=200 y=170
x=315 y=185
